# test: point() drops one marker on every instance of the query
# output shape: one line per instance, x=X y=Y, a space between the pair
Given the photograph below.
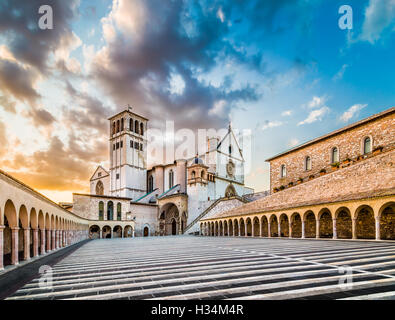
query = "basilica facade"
x=165 y=199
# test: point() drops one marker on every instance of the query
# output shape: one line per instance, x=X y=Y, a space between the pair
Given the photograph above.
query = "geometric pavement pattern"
x=191 y=267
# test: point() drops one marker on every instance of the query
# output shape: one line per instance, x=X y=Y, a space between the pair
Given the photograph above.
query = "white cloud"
x=315 y=115
x=340 y=73
x=286 y=113
x=271 y=124
x=379 y=15
x=218 y=109
x=352 y=111
x=317 y=102
x=220 y=14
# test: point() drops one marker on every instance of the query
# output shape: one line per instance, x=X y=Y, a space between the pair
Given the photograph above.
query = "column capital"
x=26 y=228
x=15 y=228
x=2 y=227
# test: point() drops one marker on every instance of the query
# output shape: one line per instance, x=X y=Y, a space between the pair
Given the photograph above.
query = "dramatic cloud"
x=7 y=105
x=379 y=15
x=148 y=43
x=315 y=115
x=352 y=111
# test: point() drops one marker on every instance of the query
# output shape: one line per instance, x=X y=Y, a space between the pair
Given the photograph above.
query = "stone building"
x=165 y=199
x=340 y=185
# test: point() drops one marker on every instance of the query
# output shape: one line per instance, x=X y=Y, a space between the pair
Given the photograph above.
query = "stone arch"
x=94 y=232
x=242 y=228
x=225 y=228
x=216 y=228
x=221 y=228
x=256 y=227
x=264 y=226
x=249 y=227
x=146 y=230
x=365 y=223
x=117 y=232
x=106 y=231
x=212 y=232
x=343 y=223
x=128 y=231
x=231 y=233
x=273 y=226
x=325 y=223
x=10 y=256
x=387 y=221
x=296 y=225
x=169 y=225
x=310 y=224
x=23 y=217
x=99 y=188
x=284 y=225
x=236 y=227
x=230 y=191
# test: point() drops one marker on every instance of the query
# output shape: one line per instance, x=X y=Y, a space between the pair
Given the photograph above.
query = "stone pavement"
x=187 y=267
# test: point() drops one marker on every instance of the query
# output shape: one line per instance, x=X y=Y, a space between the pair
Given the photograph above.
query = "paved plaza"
x=186 y=267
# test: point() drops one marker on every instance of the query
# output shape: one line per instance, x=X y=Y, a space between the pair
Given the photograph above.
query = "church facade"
x=166 y=199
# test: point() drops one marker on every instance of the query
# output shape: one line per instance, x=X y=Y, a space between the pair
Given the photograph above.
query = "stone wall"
x=349 y=144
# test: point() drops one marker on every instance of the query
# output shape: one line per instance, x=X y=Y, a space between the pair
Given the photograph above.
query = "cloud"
x=339 y=75
x=149 y=42
x=7 y=104
x=317 y=102
x=315 y=115
x=379 y=16
x=3 y=139
x=18 y=82
x=352 y=111
x=271 y=124
x=286 y=113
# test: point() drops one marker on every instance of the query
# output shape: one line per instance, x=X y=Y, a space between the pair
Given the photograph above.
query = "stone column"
x=48 y=240
x=279 y=228
x=1 y=247
x=123 y=231
x=334 y=229
x=354 y=228
x=303 y=230
x=180 y=225
x=26 y=244
x=35 y=242
x=377 y=228
x=317 y=228
x=133 y=233
x=14 y=246
x=53 y=240
x=268 y=229
x=239 y=226
x=42 y=244
x=260 y=228
x=227 y=225
x=290 y=230
x=246 y=228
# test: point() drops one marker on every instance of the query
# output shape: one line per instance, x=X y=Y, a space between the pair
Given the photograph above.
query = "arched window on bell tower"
x=171 y=179
x=131 y=124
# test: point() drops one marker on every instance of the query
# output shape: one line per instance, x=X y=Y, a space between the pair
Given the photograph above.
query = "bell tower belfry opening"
x=128 y=154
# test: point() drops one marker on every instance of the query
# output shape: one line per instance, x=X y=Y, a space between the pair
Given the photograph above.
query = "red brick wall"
x=349 y=144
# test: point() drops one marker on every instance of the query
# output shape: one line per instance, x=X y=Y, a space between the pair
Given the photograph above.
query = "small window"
x=113 y=146
x=136 y=127
x=131 y=143
x=283 y=171
x=122 y=124
x=335 y=155
x=117 y=176
x=308 y=163
x=141 y=147
x=131 y=124
x=193 y=175
x=117 y=125
x=230 y=149
x=113 y=127
x=99 y=174
x=142 y=129
x=367 y=145
x=117 y=145
x=121 y=144
x=171 y=179
x=136 y=145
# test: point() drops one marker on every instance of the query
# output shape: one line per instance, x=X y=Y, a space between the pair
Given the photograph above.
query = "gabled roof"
x=97 y=169
x=230 y=132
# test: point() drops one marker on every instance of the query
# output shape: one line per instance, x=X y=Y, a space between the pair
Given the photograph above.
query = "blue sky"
x=283 y=69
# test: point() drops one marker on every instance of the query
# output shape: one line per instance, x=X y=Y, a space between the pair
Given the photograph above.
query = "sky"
x=283 y=69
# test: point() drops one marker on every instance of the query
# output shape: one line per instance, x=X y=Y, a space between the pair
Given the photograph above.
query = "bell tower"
x=128 y=154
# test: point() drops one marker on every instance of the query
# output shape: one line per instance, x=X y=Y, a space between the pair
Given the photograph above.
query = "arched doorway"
x=256 y=227
x=326 y=224
x=365 y=223
x=310 y=225
x=230 y=191
x=242 y=228
x=169 y=219
x=146 y=231
x=230 y=228
x=344 y=224
x=284 y=225
x=264 y=227
x=249 y=227
x=387 y=221
x=296 y=225
x=273 y=226
x=94 y=232
x=106 y=232
x=173 y=227
x=128 y=232
x=117 y=232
